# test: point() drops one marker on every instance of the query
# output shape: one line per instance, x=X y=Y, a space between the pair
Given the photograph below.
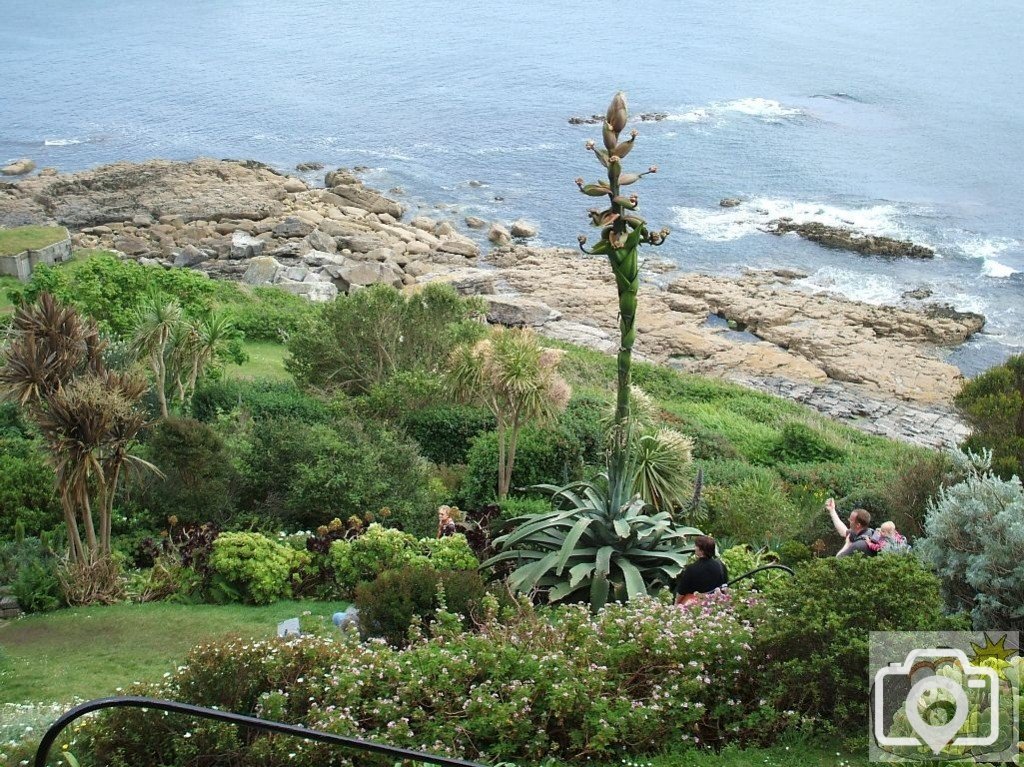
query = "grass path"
x=266 y=360
x=90 y=652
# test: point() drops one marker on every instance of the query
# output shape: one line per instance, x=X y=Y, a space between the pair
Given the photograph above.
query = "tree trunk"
x=90 y=528
x=160 y=378
x=75 y=548
x=503 y=477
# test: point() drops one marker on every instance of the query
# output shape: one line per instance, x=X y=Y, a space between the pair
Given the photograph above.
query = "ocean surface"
x=899 y=118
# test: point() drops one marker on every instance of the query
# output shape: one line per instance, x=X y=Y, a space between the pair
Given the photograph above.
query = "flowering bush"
x=559 y=682
x=255 y=567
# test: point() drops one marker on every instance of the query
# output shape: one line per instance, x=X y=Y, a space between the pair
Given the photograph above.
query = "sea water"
x=897 y=118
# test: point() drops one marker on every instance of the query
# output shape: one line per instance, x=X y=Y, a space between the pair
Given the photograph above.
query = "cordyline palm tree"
x=599 y=540
x=194 y=344
x=89 y=416
x=514 y=378
x=157 y=321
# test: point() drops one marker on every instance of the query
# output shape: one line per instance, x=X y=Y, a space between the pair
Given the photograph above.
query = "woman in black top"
x=703 y=576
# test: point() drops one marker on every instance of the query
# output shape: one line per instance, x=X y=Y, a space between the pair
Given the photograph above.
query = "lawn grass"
x=29 y=237
x=6 y=284
x=266 y=361
x=90 y=652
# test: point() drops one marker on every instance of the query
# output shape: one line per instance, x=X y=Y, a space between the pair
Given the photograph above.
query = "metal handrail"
x=756 y=570
x=130 y=701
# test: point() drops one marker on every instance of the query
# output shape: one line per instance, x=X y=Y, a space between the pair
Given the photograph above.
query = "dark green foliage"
x=111 y=290
x=29 y=569
x=268 y=313
x=445 y=432
x=199 y=482
x=918 y=480
x=304 y=475
x=553 y=456
x=259 y=399
x=405 y=392
x=993 y=403
x=799 y=443
x=359 y=341
x=26 y=486
x=388 y=605
x=791 y=553
x=816 y=632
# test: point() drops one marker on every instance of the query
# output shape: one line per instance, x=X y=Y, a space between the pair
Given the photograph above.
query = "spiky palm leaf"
x=593 y=545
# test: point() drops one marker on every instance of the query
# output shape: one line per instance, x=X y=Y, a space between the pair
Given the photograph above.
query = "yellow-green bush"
x=254 y=566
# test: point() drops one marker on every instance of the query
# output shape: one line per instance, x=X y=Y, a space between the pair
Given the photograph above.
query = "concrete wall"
x=20 y=265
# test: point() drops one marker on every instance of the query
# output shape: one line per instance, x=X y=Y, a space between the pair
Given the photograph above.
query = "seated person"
x=857 y=535
x=703 y=576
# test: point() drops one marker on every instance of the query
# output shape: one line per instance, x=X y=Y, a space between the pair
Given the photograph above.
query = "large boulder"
x=499 y=235
x=293 y=226
x=523 y=229
x=262 y=270
x=359 y=197
x=459 y=246
x=245 y=246
x=188 y=256
x=319 y=240
x=360 y=274
x=519 y=311
x=18 y=167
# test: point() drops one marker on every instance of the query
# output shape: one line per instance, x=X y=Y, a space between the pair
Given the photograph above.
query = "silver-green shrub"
x=974 y=539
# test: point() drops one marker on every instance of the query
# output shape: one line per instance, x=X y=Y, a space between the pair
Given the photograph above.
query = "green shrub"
x=199 y=481
x=361 y=340
x=389 y=604
x=110 y=290
x=993 y=404
x=378 y=549
x=799 y=443
x=553 y=456
x=305 y=475
x=444 y=432
x=404 y=393
x=29 y=569
x=918 y=480
x=450 y=553
x=260 y=399
x=636 y=679
x=267 y=313
x=755 y=510
x=26 y=487
x=974 y=538
x=792 y=553
x=815 y=632
x=520 y=506
x=742 y=559
x=255 y=567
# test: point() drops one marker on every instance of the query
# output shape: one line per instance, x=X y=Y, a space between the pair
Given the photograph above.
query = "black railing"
x=237 y=719
x=762 y=568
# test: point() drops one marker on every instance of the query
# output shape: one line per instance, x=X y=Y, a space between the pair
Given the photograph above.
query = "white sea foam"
x=62 y=141
x=869 y=288
x=988 y=249
x=768 y=110
x=724 y=224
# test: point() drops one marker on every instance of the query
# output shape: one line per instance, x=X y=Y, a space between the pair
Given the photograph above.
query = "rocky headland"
x=878 y=368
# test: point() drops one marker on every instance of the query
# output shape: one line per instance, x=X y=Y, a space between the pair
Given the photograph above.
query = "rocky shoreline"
x=877 y=368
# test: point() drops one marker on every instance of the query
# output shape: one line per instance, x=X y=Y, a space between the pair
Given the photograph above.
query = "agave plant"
x=594 y=544
x=599 y=539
